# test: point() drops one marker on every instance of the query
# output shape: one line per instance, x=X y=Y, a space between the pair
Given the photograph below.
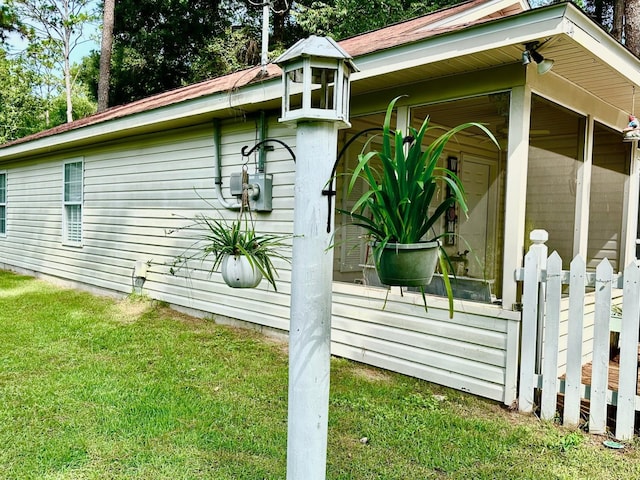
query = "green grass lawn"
x=92 y=388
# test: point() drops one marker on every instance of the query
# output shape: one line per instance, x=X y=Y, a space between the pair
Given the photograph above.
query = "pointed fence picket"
x=564 y=325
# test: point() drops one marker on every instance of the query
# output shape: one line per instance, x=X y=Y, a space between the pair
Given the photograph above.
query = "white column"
x=264 y=57
x=583 y=193
x=516 y=190
x=629 y=231
x=310 y=328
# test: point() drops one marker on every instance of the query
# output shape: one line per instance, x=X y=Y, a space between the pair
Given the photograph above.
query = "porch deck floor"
x=614 y=373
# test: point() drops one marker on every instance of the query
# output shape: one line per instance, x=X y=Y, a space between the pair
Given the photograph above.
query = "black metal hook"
x=330 y=192
x=263 y=142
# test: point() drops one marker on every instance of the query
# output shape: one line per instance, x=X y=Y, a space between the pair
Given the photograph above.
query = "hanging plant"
x=400 y=192
x=242 y=255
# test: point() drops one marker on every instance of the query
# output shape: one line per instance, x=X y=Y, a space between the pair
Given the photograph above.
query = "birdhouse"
x=315 y=76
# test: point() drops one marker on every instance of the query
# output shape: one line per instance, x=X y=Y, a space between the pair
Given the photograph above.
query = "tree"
x=105 y=54
x=56 y=29
x=621 y=18
x=21 y=111
x=156 y=43
x=346 y=18
x=164 y=44
x=9 y=22
x=632 y=25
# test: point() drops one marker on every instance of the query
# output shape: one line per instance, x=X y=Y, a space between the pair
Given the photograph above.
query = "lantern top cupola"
x=315 y=76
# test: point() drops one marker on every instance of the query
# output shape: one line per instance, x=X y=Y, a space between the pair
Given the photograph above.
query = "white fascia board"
x=517 y=29
x=205 y=105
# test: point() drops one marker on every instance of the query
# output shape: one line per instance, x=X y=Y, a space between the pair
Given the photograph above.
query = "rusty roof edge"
x=260 y=90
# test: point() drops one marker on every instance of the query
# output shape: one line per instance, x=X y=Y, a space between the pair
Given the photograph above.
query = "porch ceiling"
x=572 y=62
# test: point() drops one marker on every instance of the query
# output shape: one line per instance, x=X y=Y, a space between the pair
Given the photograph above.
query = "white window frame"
x=70 y=204
x=3 y=204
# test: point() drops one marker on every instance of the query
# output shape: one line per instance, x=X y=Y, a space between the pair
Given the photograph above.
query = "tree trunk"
x=598 y=11
x=105 y=54
x=67 y=79
x=632 y=26
x=618 y=16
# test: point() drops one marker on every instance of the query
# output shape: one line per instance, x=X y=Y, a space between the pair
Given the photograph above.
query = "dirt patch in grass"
x=129 y=310
x=370 y=374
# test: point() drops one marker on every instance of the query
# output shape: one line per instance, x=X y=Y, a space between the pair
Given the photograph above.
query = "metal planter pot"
x=237 y=272
x=410 y=265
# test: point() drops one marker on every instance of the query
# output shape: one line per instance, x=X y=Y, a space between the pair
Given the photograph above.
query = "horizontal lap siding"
x=468 y=352
x=155 y=173
x=135 y=192
x=610 y=158
x=34 y=218
x=141 y=207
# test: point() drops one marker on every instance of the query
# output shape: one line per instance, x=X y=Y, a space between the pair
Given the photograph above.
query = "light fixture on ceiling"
x=531 y=54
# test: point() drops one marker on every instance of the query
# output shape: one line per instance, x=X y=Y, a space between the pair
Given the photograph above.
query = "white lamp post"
x=316 y=99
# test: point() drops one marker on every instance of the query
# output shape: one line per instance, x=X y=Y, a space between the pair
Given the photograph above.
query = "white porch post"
x=310 y=328
x=583 y=193
x=630 y=211
x=315 y=74
x=516 y=190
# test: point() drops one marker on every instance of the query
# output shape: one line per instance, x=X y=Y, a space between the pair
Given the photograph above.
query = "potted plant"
x=243 y=256
x=400 y=207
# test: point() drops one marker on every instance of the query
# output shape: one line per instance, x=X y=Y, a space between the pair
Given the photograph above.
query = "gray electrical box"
x=235 y=184
x=260 y=188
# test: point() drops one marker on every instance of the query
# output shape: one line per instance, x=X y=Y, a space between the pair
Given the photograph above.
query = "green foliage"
x=401 y=193
x=227 y=53
x=83 y=106
x=55 y=31
x=21 y=111
x=156 y=43
x=346 y=18
x=398 y=198
x=220 y=238
x=87 y=74
x=9 y=22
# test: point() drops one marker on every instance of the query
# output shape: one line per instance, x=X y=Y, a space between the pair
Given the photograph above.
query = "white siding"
x=133 y=194
x=476 y=351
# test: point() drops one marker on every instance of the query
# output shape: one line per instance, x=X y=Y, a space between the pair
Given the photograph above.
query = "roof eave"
x=217 y=105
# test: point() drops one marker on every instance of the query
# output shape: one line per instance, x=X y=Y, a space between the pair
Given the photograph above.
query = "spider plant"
x=221 y=238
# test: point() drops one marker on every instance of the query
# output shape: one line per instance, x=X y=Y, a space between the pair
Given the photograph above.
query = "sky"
x=90 y=34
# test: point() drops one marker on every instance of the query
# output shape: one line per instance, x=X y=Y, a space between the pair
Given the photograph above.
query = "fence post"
x=573 y=382
x=627 y=381
x=538 y=238
x=600 y=359
x=549 y=397
x=530 y=314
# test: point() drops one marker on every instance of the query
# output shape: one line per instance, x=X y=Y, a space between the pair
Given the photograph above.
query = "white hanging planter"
x=238 y=272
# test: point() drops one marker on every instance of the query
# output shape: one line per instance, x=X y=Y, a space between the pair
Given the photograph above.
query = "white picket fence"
x=560 y=335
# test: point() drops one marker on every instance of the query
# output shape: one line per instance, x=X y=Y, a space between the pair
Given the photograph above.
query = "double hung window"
x=3 y=203
x=72 y=203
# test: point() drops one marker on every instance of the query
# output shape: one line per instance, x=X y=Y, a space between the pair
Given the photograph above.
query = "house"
x=90 y=203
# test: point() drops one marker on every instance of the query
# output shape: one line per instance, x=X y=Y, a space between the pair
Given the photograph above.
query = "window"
x=72 y=221
x=3 y=203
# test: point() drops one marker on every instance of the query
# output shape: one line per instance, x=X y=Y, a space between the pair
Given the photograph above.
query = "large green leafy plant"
x=404 y=196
